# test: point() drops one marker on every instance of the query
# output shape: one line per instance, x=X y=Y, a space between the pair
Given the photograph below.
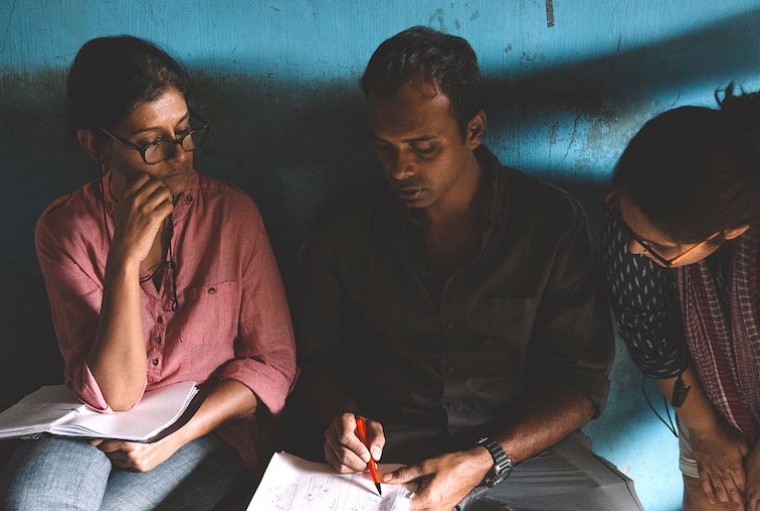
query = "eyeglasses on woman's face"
x=163 y=148
x=613 y=208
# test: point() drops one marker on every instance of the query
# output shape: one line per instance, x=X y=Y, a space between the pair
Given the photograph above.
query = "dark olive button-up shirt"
x=440 y=361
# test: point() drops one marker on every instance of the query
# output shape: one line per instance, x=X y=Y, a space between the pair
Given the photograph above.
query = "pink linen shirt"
x=226 y=319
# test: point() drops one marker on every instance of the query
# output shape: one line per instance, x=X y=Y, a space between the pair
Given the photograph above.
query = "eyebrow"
x=152 y=128
x=423 y=138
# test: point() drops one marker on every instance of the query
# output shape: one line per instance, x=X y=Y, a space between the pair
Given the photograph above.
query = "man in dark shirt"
x=457 y=307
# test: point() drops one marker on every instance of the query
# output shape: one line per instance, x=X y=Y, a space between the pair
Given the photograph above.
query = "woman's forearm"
x=228 y=401
x=695 y=411
x=118 y=359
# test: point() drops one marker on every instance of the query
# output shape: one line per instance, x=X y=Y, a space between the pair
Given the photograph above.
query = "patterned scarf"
x=725 y=345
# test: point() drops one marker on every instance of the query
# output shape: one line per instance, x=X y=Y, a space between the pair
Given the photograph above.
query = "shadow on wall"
x=581 y=115
x=291 y=145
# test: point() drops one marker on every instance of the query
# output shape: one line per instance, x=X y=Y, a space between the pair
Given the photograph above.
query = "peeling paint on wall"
x=549 y=13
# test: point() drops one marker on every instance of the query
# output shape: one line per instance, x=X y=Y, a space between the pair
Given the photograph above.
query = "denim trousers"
x=66 y=474
x=568 y=476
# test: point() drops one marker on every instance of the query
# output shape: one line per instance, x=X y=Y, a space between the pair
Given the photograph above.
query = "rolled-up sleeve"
x=574 y=334
x=75 y=291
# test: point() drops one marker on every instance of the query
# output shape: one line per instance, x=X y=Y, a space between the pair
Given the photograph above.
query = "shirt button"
x=155 y=361
x=160 y=319
x=189 y=198
x=158 y=340
x=211 y=290
x=449 y=325
x=449 y=369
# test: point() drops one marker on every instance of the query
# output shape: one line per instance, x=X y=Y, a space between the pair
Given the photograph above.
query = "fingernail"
x=377 y=453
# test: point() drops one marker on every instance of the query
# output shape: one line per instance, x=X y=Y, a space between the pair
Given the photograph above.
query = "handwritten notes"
x=291 y=483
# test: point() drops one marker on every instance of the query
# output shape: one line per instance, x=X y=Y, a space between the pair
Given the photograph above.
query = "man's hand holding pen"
x=443 y=481
x=345 y=451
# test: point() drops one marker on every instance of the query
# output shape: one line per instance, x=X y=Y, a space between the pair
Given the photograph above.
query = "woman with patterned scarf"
x=680 y=250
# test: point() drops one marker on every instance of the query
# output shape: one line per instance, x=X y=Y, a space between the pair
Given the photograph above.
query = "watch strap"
x=502 y=465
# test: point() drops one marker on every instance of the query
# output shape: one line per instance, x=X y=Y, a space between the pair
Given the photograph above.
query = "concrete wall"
x=568 y=84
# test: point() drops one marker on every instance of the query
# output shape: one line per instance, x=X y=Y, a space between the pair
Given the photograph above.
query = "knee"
x=54 y=474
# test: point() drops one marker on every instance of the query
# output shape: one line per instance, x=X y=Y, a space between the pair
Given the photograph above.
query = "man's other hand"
x=445 y=480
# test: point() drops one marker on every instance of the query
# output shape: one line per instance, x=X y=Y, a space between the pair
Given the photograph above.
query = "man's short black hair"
x=421 y=55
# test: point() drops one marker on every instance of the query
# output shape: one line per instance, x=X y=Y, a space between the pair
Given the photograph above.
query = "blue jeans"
x=569 y=476
x=59 y=473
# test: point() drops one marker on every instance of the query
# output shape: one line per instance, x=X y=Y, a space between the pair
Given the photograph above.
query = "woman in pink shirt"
x=155 y=275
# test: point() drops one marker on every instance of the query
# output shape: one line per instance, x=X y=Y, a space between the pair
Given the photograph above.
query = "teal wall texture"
x=568 y=83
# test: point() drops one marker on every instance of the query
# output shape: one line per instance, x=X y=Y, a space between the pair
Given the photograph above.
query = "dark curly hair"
x=694 y=171
x=421 y=55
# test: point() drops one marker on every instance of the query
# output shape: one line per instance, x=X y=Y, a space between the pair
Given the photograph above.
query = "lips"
x=410 y=196
x=408 y=192
x=175 y=174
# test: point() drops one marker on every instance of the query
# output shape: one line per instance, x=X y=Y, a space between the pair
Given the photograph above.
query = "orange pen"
x=361 y=430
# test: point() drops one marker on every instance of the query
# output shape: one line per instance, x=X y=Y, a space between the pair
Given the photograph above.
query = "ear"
x=91 y=145
x=476 y=128
x=730 y=234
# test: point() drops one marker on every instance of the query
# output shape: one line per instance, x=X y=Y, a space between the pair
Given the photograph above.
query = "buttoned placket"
x=161 y=313
x=451 y=325
x=450 y=319
x=450 y=371
x=161 y=301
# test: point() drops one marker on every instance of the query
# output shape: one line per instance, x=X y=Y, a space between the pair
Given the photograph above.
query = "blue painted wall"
x=568 y=83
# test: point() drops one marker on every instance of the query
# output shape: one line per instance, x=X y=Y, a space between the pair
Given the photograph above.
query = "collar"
x=492 y=184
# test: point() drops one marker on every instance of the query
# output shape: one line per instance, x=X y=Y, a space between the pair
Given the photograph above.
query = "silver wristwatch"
x=502 y=466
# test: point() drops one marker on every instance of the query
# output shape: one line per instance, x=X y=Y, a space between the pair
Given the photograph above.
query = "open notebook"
x=291 y=483
x=55 y=410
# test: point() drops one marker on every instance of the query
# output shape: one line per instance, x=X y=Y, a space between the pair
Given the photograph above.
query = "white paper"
x=156 y=410
x=291 y=483
x=38 y=411
x=54 y=409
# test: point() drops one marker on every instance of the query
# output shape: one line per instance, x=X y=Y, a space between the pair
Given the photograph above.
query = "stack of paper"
x=56 y=411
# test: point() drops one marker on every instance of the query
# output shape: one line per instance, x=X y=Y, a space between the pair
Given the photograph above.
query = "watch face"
x=494 y=477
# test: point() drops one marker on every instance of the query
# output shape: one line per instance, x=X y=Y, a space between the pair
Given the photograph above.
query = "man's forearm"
x=544 y=420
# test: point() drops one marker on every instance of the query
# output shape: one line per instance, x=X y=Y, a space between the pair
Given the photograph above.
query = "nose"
x=177 y=153
x=400 y=165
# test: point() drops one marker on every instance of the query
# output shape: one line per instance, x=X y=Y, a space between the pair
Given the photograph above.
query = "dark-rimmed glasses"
x=611 y=203
x=161 y=150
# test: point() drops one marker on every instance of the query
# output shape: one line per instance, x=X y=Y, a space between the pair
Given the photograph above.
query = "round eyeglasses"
x=612 y=207
x=161 y=150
